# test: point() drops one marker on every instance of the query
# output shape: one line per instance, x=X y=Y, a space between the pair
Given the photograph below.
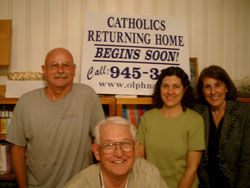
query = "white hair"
x=115 y=120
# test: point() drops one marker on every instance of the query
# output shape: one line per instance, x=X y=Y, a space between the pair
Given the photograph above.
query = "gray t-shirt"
x=56 y=134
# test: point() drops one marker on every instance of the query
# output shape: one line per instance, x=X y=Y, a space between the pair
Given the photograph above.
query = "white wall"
x=218 y=30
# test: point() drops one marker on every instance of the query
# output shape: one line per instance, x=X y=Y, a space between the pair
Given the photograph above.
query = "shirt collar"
x=102 y=182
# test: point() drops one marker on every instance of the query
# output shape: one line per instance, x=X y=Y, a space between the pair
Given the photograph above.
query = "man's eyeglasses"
x=126 y=146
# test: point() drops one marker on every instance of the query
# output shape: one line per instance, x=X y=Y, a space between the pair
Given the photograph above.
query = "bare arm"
x=140 y=150
x=19 y=164
x=193 y=161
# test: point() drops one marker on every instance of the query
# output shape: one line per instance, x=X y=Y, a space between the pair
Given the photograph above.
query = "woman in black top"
x=226 y=160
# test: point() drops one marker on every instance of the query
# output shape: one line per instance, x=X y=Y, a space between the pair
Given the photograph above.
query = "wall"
x=218 y=30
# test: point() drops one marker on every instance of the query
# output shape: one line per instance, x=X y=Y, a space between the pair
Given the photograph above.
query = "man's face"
x=59 y=69
x=119 y=162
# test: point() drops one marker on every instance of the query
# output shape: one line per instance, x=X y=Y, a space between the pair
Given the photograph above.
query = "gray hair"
x=115 y=120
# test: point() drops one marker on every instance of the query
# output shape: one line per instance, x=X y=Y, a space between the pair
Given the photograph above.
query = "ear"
x=43 y=68
x=44 y=71
x=95 y=149
x=74 y=69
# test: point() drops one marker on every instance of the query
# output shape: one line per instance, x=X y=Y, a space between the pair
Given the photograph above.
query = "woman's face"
x=214 y=92
x=172 y=91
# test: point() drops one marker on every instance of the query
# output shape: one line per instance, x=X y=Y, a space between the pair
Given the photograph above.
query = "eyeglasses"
x=56 y=66
x=126 y=146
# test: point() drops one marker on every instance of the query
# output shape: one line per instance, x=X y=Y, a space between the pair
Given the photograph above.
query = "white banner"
x=124 y=54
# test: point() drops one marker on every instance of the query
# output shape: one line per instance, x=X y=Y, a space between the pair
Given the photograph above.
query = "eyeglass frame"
x=114 y=146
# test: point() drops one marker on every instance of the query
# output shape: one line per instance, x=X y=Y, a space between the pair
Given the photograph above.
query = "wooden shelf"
x=244 y=99
x=109 y=101
x=124 y=101
x=8 y=100
x=139 y=100
x=104 y=100
x=7 y=176
x=2 y=137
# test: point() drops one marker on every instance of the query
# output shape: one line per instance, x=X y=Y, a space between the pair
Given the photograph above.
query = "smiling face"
x=118 y=163
x=59 y=69
x=172 y=92
x=214 y=91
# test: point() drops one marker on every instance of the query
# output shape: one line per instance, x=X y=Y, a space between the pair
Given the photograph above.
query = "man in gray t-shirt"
x=51 y=127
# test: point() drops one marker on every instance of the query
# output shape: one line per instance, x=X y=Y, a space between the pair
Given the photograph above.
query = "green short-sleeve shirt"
x=167 y=141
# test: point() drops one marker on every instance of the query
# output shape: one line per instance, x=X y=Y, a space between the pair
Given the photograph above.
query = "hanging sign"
x=124 y=54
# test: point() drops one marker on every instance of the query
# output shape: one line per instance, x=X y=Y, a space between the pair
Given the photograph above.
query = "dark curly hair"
x=188 y=97
x=217 y=73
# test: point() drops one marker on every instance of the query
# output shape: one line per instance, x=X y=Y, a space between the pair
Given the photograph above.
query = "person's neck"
x=218 y=113
x=114 y=182
x=171 y=111
x=56 y=93
x=219 y=109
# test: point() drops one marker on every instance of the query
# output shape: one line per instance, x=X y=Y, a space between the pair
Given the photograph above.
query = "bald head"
x=58 y=51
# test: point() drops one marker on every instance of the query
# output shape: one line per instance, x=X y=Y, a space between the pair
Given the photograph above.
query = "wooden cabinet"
x=5 y=42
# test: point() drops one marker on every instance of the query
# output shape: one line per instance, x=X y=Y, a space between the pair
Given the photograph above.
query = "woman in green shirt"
x=171 y=135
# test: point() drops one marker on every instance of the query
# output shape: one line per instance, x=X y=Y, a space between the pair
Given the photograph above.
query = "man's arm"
x=19 y=164
x=193 y=161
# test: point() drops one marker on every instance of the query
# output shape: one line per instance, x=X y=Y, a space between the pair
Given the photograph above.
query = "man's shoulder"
x=33 y=92
x=83 y=88
x=87 y=177
x=31 y=95
x=145 y=169
x=143 y=165
x=146 y=174
x=91 y=170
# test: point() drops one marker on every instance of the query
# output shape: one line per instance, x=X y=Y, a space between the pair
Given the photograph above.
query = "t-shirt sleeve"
x=15 y=131
x=142 y=130
x=196 y=136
